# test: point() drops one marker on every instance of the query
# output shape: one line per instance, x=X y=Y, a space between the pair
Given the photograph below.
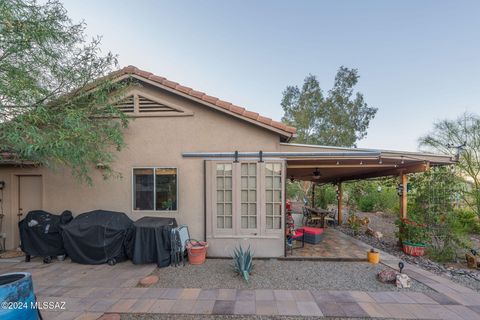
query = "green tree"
x=49 y=111
x=449 y=134
x=339 y=118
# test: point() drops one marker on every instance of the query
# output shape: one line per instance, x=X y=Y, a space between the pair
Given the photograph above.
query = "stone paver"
x=203 y=307
x=309 y=308
x=223 y=307
x=264 y=295
x=266 y=307
x=244 y=307
x=287 y=308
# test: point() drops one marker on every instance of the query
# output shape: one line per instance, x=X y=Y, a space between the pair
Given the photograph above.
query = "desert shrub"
x=448 y=237
x=468 y=219
x=367 y=203
x=433 y=201
x=378 y=195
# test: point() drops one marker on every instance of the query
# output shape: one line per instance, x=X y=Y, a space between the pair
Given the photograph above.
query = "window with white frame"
x=155 y=189
x=273 y=195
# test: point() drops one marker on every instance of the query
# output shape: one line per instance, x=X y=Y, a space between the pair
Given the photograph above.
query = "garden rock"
x=403 y=281
x=148 y=281
x=387 y=276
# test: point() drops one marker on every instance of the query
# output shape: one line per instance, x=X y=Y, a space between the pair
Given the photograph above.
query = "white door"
x=30 y=194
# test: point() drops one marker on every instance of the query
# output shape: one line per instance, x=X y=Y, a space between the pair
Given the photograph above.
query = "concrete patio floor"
x=92 y=291
x=335 y=245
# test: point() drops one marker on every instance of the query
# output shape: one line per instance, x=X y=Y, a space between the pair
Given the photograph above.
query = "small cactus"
x=243 y=262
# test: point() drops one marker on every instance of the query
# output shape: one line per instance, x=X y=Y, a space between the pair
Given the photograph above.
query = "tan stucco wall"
x=154 y=141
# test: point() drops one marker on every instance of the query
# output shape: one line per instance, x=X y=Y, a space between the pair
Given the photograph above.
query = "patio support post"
x=403 y=196
x=313 y=195
x=340 y=203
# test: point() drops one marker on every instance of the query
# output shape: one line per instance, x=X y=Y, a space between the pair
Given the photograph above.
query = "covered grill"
x=98 y=237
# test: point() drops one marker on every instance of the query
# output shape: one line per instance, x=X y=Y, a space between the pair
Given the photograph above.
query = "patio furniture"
x=152 y=240
x=312 y=235
x=317 y=215
x=308 y=218
x=179 y=238
x=292 y=234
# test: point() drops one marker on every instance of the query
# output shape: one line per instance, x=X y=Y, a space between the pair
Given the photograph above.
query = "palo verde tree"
x=460 y=138
x=338 y=118
x=49 y=111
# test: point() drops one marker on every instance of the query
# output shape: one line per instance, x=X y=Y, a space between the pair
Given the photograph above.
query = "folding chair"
x=179 y=238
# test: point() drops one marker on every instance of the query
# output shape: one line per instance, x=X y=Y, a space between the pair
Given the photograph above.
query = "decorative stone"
x=403 y=281
x=387 y=276
x=148 y=281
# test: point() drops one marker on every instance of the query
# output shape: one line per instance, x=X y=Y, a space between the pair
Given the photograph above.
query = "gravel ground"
x=280 y=274
x=386 y=223
x=221 y=317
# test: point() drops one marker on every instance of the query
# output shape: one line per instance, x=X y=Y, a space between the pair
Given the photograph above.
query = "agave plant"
x=243 y=262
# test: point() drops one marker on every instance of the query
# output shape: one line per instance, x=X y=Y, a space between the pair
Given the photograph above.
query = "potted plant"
x=373 y=256
x=413 y=236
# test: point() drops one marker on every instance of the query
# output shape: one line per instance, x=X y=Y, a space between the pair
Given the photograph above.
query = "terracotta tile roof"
x=209 y=99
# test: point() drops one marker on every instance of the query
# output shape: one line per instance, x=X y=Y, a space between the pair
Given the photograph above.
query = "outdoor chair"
x=179 y=238
x=330 y=220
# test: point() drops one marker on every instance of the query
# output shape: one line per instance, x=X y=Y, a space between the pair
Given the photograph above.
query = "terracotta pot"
x=197 y=252
x=373 y=257
x=414 y=249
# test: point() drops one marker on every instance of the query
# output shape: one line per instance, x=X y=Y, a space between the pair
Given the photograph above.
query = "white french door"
x=245 y=198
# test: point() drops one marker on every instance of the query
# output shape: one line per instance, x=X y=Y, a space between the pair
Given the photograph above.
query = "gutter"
x=262 y=154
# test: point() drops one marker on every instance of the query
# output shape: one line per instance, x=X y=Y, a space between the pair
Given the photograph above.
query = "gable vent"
x=147 y=105
x=126 y=105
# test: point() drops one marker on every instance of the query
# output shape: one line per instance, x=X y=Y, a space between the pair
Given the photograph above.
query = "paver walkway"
x=91 y=291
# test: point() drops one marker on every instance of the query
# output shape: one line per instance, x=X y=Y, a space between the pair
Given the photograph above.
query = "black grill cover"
x=98 y=236
x=152 y=240
x=43 y=238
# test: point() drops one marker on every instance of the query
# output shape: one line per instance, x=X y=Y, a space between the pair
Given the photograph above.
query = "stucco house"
x=212 y=165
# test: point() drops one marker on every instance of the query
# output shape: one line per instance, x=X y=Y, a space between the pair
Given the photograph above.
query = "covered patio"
x=334 y=165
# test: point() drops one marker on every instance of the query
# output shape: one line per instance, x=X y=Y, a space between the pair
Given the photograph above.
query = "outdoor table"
x=322 y=213
x=152 y=240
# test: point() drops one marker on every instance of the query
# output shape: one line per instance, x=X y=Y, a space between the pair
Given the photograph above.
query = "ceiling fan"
x=315 y=175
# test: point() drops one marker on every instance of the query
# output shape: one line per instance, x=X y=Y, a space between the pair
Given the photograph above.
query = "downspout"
x=205 y=200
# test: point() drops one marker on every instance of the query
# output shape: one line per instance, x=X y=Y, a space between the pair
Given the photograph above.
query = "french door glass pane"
x=220 y=224
x=273 y=195
x=224 y=195
x=248 y=172
x=228 y=222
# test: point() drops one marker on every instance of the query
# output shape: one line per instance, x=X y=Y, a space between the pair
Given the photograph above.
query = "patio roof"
x=356 y=164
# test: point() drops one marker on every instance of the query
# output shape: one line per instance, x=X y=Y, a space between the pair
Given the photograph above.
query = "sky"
x=419 y=61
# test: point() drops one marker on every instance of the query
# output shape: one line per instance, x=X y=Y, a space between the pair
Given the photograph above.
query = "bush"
x=468 y=219
x=367 y=203
x=411 y=231
x=369 y=196
x=433 y=199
